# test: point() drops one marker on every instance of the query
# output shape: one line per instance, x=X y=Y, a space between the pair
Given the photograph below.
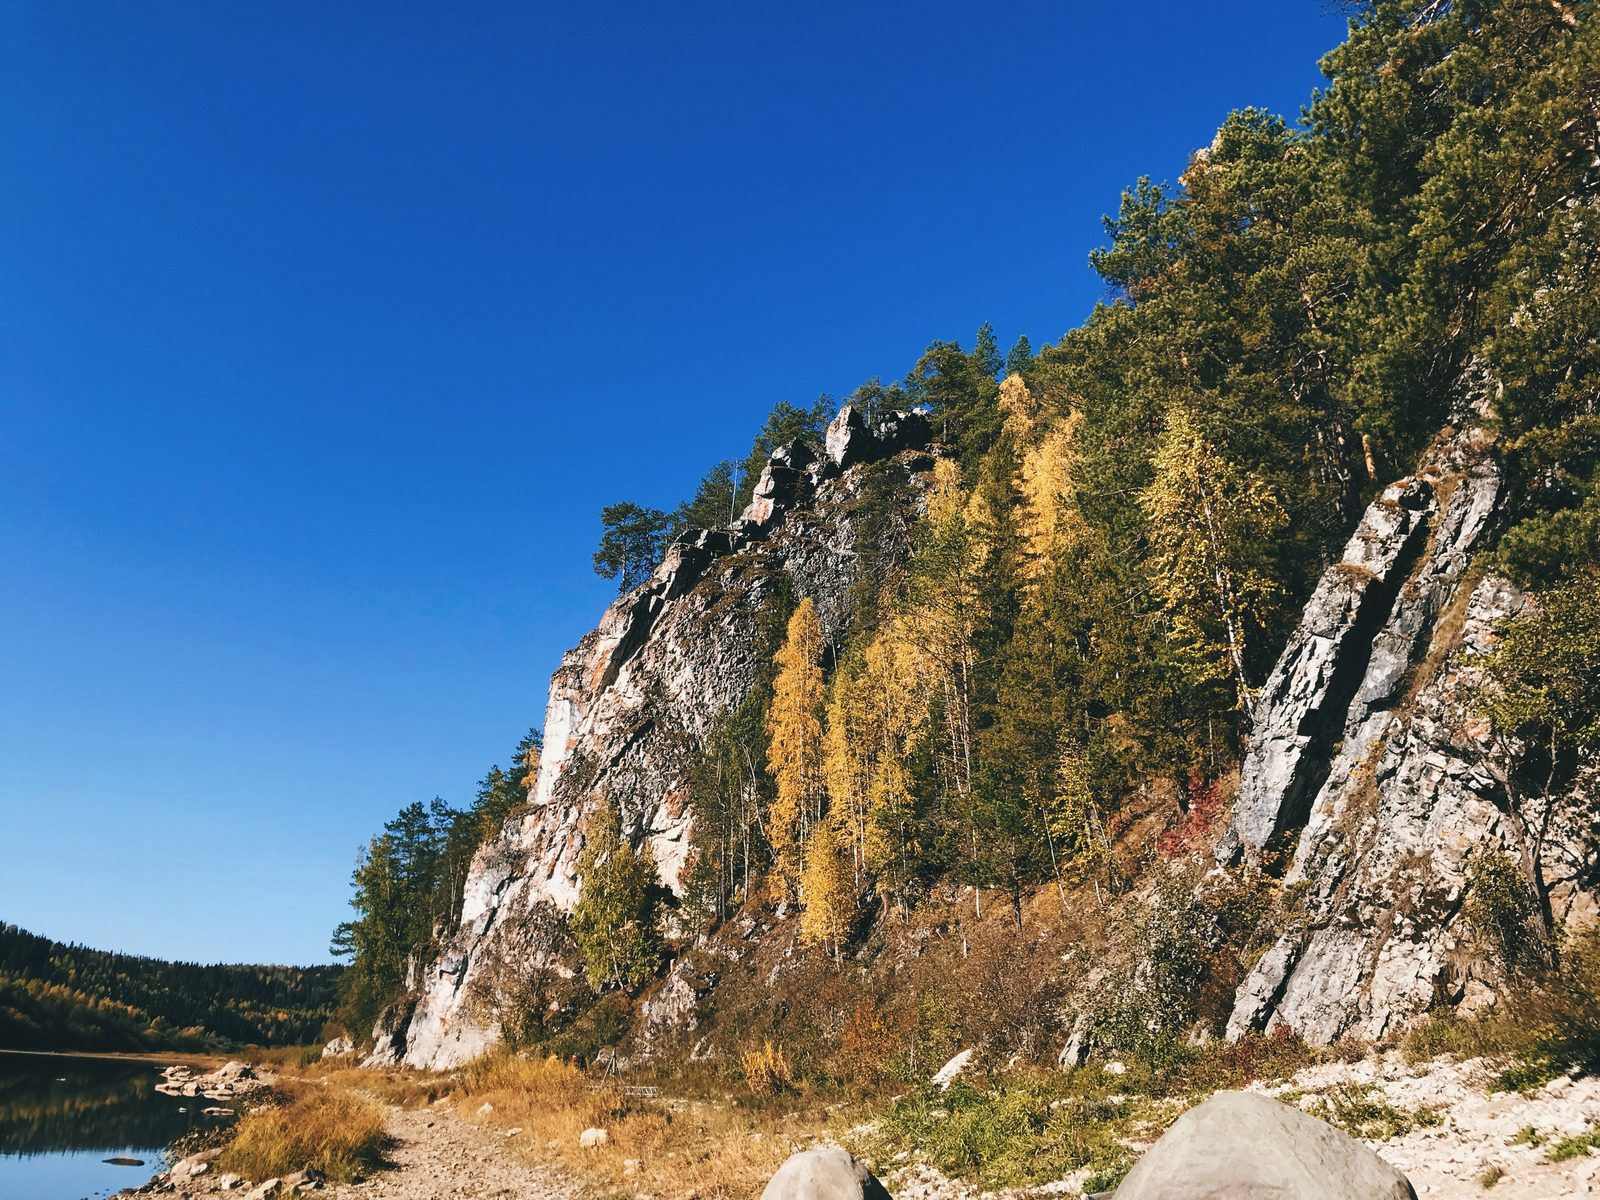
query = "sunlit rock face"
x=1368 y=784
x=632 y=703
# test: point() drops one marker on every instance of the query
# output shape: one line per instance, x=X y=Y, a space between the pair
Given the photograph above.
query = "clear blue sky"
x=326 y=330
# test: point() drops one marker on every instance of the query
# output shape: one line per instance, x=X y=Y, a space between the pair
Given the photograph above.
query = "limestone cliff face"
x=632 y=702
x=1368 y=784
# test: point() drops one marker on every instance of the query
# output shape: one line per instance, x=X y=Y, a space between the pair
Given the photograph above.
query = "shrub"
x=1551 y=1023
x=767 y=1071
x=1027 y=1131
x=597 y=1029
x=1503 y=907
x=332 y=1130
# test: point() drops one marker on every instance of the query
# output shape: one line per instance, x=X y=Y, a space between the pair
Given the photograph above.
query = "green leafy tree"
x=616 y=921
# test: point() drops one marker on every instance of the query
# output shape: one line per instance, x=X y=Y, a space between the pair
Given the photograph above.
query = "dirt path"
x=439 y=1154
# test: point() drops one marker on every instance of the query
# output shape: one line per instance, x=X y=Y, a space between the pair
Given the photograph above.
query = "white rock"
x=593 y=1138
x=946 y=1075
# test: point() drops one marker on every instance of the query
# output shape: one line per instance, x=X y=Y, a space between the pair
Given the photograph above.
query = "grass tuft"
x=1364 y=1112
x=330 y=1129
x=1575 y=1147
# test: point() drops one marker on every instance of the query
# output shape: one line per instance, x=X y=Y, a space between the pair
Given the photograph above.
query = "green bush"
x=1022 y=1132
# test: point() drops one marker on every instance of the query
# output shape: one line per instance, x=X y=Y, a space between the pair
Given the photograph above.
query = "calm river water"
x=61 y=1116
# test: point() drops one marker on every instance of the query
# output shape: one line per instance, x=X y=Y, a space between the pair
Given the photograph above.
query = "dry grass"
x=401 y=1087
x=329 y=1128
x=706 y=1149
x=282 y=1058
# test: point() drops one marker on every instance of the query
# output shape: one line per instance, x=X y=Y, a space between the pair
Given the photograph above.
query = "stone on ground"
x=1247 y=1147
x=946 y=1074
x=825 y=1173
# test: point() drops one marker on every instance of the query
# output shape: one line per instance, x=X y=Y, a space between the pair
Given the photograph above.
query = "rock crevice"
x=1364 y=787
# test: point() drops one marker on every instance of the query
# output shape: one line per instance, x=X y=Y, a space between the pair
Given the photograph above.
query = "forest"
x=1125 y=523
x=69 y=997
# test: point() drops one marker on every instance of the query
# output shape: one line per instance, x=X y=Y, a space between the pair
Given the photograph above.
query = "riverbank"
x=189 y=1058
x=534 y=1132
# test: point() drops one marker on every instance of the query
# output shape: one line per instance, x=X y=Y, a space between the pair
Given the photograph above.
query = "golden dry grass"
x=330 y=1128
x=399 y=1086
x=670 y=1150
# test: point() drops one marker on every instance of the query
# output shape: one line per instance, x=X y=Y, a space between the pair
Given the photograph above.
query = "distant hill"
x=60 y=997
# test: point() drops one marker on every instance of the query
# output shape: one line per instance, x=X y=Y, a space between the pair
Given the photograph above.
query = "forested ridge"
x=1125 y=524
x=55 y=996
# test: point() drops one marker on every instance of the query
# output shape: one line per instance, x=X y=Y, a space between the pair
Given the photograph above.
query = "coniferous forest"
x=68 y=997
x=1127 y=521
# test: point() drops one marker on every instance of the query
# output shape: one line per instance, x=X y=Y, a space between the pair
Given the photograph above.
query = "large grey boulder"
x=825 y=1173
x=1240 y=1146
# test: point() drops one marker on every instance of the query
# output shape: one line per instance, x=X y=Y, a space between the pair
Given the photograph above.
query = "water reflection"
x=78 y=1111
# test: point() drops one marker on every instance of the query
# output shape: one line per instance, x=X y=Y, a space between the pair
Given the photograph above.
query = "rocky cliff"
x=1367 y=790
x=1369 y=785
x=632 y=702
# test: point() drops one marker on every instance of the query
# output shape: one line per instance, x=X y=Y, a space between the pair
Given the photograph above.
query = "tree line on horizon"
x=1126 y=524
x=55 y=996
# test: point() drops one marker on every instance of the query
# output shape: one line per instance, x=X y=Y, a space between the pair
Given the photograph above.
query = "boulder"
x=194 y=1165
x=1241 y=1146
x=825 y=1173
x=340 y=1047
x=593 y=1138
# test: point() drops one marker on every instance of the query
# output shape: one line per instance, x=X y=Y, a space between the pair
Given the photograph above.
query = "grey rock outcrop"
x=824 y=1173
x=631 y=704
x=1367 y=786
x=1239 y=1146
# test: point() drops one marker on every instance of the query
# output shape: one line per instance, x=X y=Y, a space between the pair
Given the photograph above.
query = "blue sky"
x=326 y=330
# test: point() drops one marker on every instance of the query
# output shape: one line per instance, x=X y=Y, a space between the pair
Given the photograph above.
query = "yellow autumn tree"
x=876 y=711
x=1046 y=517
x=794 y=741
x=1212 y=525
x=827 y=888
x=847 y=761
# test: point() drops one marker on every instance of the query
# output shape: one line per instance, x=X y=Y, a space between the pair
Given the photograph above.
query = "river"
x=62 y=1116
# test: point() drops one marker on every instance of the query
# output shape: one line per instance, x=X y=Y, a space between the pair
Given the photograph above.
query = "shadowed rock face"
x=1365 y=784
x=632 y=703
